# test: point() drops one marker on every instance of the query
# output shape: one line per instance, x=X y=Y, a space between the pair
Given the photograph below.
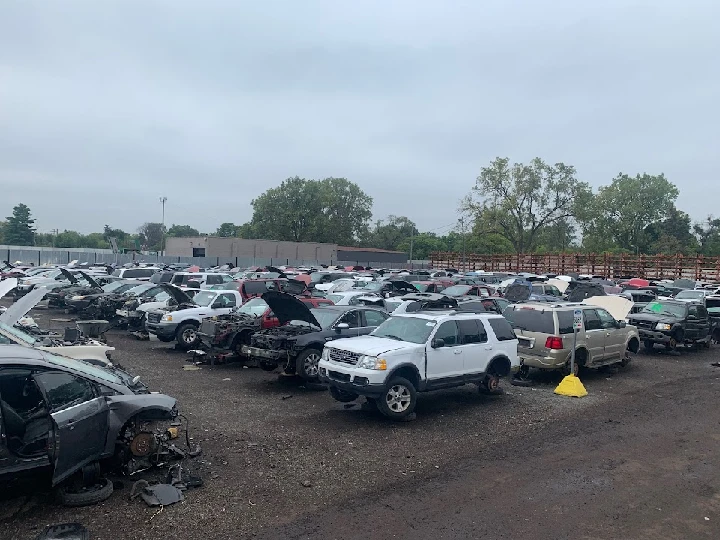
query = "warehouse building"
x=279 y=252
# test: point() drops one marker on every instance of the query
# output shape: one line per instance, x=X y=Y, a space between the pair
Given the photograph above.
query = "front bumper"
x=162 y=329
x=363 y=382
x=655 y=336
x=264 y=354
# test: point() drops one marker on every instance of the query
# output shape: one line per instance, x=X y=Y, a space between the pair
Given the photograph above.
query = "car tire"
x=343 y=396
x=675 y=339
x=490 y=385
x=649 y=345
x=186 y=336
x=399 y=399
x=85 y=496
x=566 y=368
x=306 y=364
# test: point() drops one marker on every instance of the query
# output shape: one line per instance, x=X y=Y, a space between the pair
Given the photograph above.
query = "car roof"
x=550 y=305
x=343 y=308
x=449 y=313
x=10 y=353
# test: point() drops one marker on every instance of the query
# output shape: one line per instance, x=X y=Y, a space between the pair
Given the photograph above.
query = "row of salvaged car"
x=67 y=415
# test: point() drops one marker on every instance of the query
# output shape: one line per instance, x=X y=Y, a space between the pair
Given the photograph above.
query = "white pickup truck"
x=182 y=322
x=418 y=352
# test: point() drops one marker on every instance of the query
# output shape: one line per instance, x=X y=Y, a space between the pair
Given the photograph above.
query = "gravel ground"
x=278 y=454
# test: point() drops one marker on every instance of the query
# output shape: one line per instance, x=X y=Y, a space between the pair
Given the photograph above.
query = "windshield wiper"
x=393 y=337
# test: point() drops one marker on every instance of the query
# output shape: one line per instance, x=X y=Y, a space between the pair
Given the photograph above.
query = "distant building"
x=277 y=251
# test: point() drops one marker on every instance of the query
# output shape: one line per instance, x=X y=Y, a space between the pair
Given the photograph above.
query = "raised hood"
x=288 y=308
x=518 y=292
x=94 y=284
x=7 y=285
x=20 y=308
x=72 y=279
x=177 y=294
x=617 y=306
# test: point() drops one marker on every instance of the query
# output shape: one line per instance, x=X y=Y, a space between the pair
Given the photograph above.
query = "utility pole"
x=163 y=200
x=55 y=232
x=462 y=229
x=412 y=234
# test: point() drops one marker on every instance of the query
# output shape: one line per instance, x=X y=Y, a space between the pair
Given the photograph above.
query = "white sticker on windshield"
x=430 y=324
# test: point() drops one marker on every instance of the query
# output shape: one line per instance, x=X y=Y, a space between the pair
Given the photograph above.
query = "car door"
x=614 y=336
x=445 y=364
x=354 y=320
x=224 y=304
x=692 y=326
x=80 y=417
x=594 y=335
x=474 y=346
x=372 y=319
x=703 y=323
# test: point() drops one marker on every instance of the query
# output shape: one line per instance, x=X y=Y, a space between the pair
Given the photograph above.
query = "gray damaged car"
x=65 y=417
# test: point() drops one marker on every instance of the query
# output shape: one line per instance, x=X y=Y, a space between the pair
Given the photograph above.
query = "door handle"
x=607 y=334
x=488 y=348
x=457 y=351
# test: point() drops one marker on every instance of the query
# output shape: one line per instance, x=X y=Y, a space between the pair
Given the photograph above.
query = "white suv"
x=418 y=352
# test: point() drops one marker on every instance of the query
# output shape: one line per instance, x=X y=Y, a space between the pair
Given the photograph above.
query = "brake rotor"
x=142 y=444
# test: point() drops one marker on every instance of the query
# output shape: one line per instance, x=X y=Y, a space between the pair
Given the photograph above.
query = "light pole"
x=162 y=231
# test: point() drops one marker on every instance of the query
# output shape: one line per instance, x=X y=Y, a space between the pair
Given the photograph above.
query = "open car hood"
x=617 y=306
x=72 y=279
x=288 y=308
x=7 y=285
x=561 y=284
x=20 y=308
x=341 y=285
x=94 y=284
x=177 y=294
x=585 y=289
x=400 y=285
x=518 y=292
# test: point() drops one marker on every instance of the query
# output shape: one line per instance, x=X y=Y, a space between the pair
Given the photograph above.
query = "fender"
x=413 y=367
x=501 y=357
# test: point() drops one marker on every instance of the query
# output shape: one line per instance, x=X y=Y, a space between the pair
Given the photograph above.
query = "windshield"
x=690 y=295
x=392 y=305
x=335 y=298
x=137 y=290
x=411 y=329
x=204 y=298
x=422 y=287
x=665 y=308
x=325 y=317
x=255 y=307
x=374 y=286
x=19 y=334
x=83 y=367
x=457 y=290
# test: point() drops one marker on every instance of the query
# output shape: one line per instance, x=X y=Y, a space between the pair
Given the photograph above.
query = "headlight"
x=325 y=354
x=167 y=318
x=663 y=326
x=78 y=298
x=372 y=362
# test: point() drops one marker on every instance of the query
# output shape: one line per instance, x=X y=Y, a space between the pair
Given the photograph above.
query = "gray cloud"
x=106 y=106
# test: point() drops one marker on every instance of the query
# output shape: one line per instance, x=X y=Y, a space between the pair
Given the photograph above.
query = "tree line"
x=511 y=208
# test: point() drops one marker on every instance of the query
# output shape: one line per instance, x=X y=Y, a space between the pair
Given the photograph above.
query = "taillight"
x=554 y=343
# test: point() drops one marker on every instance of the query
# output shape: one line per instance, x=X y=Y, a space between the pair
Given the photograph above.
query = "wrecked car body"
x=87 y=303
x=57 y=295
x=135 y=309
x=62 y=416
x=296 y=345
x=71 y=345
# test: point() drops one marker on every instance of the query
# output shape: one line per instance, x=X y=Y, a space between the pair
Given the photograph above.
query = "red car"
x=252 y=288
x=257 y=306
x=429 y=286
x=469 y=290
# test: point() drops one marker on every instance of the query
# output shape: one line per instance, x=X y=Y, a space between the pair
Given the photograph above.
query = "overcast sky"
x=107 y=105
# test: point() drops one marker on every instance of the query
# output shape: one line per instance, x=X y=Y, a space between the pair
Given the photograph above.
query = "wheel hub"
x=398 y=398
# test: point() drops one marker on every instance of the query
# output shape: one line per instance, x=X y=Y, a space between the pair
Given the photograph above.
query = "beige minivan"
x=545 y=336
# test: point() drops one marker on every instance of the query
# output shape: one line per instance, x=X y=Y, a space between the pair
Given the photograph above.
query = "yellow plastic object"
x=571 y=386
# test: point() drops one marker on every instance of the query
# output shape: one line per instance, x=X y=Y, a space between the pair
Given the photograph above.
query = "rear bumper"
x=543 y=362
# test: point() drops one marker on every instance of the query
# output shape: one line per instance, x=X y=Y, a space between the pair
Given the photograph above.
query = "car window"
x=471 y=331
x=693 y=311
x=448 y=332
x=64 y=390
x=352 y=319
x=537 y=289
x=213 y=279
x=373 y=318
x=228 y=300
x=255 y=287
x=532 y=320
x=553 y=290
x=502 y=329
x=607 y=321
x=592 y=321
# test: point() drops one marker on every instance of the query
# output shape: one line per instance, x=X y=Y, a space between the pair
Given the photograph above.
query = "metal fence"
x=40 y=256
x=605 y=264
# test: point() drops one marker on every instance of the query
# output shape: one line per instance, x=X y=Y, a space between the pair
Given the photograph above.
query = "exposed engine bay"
x=281 y=338
x=228 y=333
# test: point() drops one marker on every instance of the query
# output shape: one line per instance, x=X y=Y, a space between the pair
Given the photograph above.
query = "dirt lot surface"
x=637 y=458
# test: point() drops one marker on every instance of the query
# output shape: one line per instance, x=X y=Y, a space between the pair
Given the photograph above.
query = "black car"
x=672 y=323
x=297 y=344
x=74 y=287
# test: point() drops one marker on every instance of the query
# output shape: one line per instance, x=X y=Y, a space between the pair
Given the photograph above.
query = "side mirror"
x=437 y=343
x=621 y=324
x=341 y=326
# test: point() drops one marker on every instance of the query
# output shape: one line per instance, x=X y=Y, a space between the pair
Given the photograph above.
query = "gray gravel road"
x=282 y=460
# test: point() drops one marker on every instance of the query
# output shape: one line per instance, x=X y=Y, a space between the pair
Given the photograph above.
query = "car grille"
x=154 y=317
x=344 y=357
x=644 y=324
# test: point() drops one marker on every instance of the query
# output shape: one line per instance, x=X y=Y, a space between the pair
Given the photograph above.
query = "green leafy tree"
x=708 y=236
x=620 y=213
x=150 y=236
x=517 y=202
x=19 y=229
x=3 y=225
x=391 y=232
x=673 y=232
x=227 y=230
x=246 y=230
x=178 y=231
x=332 y=210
